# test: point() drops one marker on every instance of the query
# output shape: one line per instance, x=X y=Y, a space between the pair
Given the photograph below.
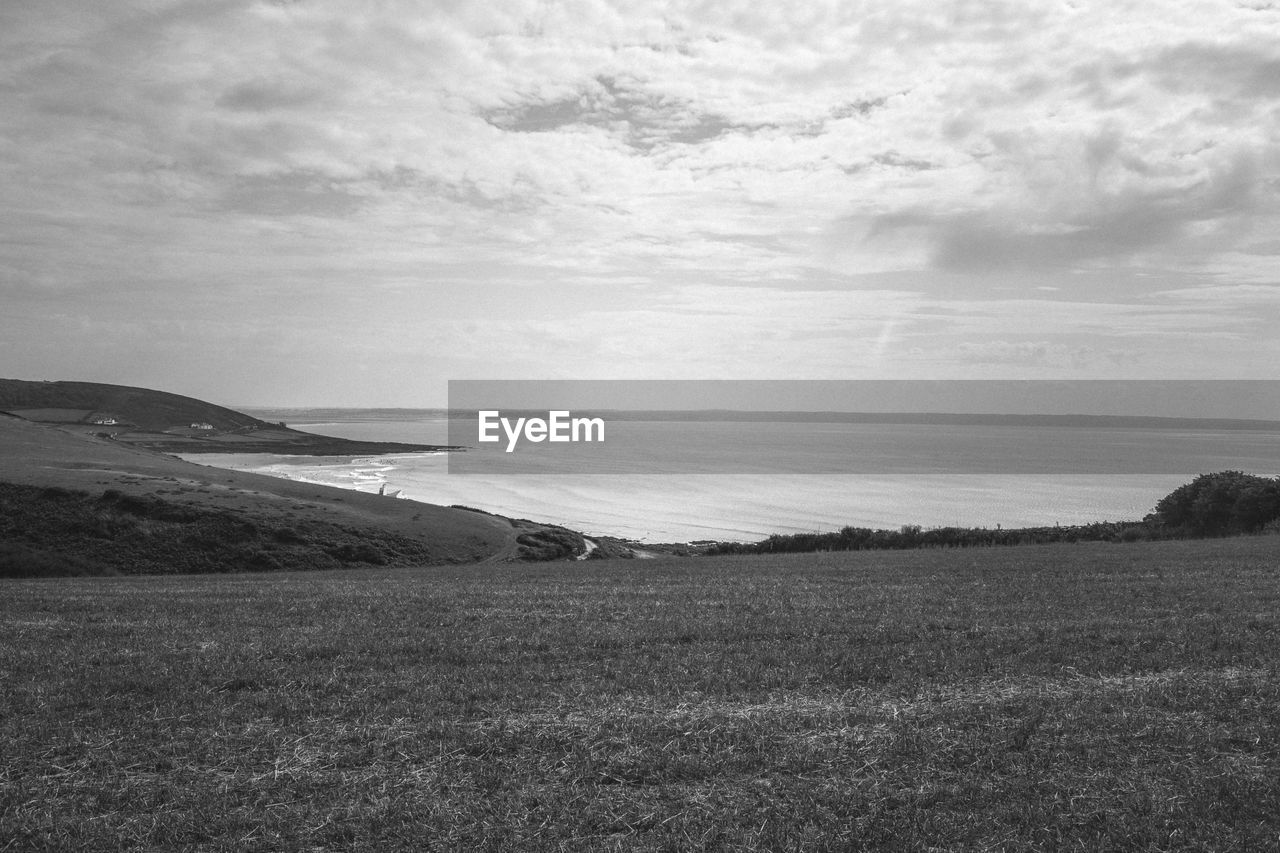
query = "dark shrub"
x=550 y=544
x=1221 y=504
x=1135 y=533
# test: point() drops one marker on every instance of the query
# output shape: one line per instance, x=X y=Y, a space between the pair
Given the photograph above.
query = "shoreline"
x=734 y=508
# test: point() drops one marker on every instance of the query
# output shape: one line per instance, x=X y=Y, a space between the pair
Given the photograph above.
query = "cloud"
x=1256 y=296
x=1108 y=202
x=640 y=119
x=1035 y=354
x=1219 y=69
x=453 y=160
x=262 y=95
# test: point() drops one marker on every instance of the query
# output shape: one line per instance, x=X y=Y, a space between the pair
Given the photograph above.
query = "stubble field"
x=1050 y=698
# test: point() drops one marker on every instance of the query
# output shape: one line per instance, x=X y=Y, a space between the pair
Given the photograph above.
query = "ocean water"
x=1032 y=476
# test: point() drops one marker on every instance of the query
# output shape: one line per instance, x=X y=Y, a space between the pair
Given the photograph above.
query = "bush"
x=1221 y=504
x=1135 y=533
x=552 y=543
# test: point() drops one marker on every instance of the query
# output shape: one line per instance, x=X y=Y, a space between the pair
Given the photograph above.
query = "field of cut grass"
x=1067 y=697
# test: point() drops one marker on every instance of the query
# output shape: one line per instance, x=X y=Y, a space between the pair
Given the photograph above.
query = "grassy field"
x=1067 y=697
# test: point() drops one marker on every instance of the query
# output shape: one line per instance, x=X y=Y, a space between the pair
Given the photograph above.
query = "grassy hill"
x=72 y=502
x=158 y=420
x=141 y=407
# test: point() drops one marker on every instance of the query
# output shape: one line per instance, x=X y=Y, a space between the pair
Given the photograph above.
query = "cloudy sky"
x=329 y=203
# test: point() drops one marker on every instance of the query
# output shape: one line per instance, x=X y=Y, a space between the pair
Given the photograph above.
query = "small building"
x=201 y=425
x=105 y=420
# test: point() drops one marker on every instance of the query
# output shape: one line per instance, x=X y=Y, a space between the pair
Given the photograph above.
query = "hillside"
x=75 y=502
x=159 y=420
x=141 y=407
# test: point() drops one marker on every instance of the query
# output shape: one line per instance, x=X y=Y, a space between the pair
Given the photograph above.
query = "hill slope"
x=159 y=420
x=136 y=510
x=143 y=407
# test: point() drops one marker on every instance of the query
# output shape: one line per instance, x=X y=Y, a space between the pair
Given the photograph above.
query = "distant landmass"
x=951 y=419
x=338 y=414
x=739 y=415
x=172 y=423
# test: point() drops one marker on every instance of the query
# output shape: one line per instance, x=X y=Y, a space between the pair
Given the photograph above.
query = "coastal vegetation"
x=1094 y=696
x=55 y=531
x=50 y=531
x=1223 y=504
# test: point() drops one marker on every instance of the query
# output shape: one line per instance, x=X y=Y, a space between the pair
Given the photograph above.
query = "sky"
x=323 y=203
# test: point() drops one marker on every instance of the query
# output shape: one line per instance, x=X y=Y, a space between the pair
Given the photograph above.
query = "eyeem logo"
x=559 y=426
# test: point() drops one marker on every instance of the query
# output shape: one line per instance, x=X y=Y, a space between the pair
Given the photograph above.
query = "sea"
x=812 y=477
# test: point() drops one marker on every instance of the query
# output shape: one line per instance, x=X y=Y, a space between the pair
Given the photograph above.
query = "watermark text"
x=556 y=427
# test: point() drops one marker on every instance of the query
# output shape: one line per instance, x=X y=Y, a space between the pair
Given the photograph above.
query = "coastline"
x=731 y=507
x=634 y=503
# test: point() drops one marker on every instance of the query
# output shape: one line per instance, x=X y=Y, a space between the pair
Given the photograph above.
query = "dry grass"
x=1067 y=697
